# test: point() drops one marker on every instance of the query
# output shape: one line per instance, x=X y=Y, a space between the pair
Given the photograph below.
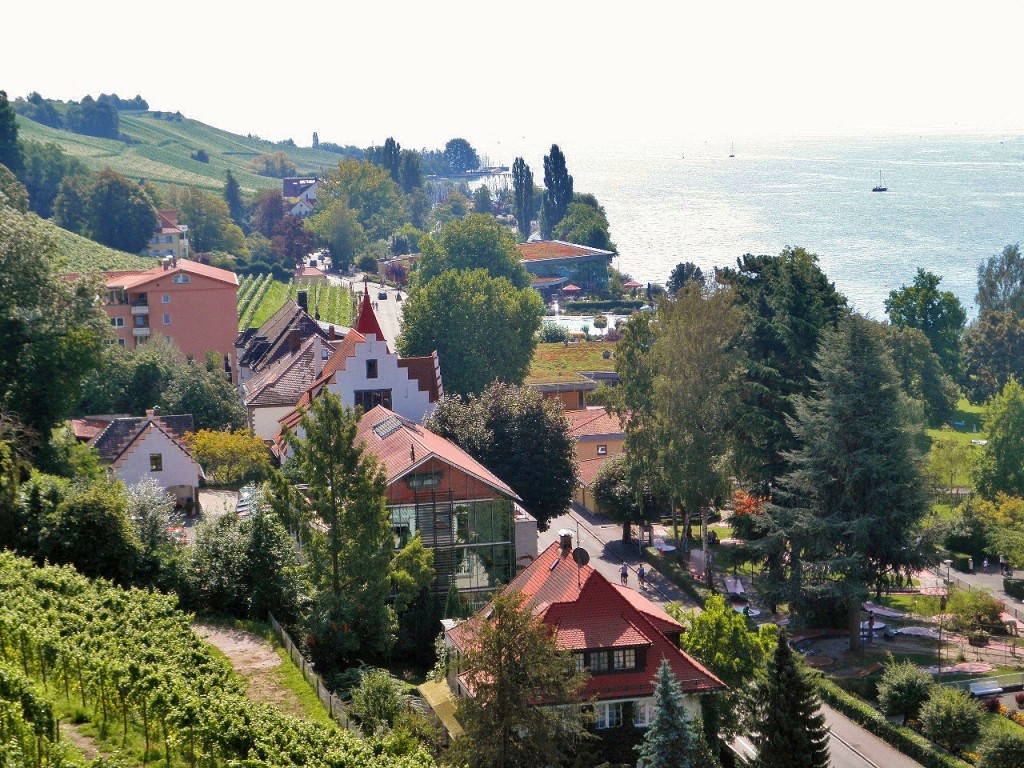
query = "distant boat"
x=732 y=150
x=881 y=187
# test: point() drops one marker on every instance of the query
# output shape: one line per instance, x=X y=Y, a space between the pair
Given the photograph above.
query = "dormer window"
x=371 y=369
x=624 y=659
x=598 y=661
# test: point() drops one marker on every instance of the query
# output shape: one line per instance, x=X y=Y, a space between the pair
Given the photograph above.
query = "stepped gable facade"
x=134 y=448
x=615 y=632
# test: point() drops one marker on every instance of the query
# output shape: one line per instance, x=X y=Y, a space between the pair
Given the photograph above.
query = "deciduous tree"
x=210 y=227
x=475 y=242
x=904 y=687
x=369 y=191
x=682 y=273
x=619 y=498
x=938 y=314
x=483 y=328
x=951 y=718
x=1000 y=468
x=119 y=213
x=921 y=373
x=460 y=156
x=521 y=437
x=513 y=665
x=410 y=174
x=1001 y=282
x=10 y=152
x=585 y=225
x=46 y=166
x=1001 y=749
x=993 y=352
x=230 y=458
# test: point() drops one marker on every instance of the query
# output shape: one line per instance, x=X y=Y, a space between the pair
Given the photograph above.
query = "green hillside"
x=84 y=255
x=160 y=150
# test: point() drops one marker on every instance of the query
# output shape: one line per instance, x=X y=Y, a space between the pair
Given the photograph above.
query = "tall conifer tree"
x=557 y=191
x=522 y=190
x=233 y=197
x=10 y=152
x=670 y=741
x=791 y=730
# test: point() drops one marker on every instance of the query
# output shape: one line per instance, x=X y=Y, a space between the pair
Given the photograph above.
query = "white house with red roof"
x=616 y=633
x=134 y=448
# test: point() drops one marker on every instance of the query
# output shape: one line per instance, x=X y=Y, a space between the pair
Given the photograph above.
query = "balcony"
x=140 y=309
x=143 y=331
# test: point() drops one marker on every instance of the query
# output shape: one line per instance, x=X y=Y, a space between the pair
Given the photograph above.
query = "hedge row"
x=903 y=739
x=677 y=573
x=612 y=306
x=1014 y=588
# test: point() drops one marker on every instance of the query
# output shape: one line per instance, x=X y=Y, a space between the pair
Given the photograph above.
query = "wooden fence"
x=335 y=707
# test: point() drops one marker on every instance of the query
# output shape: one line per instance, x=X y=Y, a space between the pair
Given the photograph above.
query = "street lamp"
x=948 y=564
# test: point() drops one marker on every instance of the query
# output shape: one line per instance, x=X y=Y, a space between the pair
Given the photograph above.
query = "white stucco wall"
x=265 y=420
x=179 y=468
x=406 y=398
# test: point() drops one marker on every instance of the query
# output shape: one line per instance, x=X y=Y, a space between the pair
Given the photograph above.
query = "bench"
x=986 y=686
x=733 y=586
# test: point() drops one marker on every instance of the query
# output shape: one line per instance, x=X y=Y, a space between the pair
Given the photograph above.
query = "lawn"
x=965 y=424
x=553 y=363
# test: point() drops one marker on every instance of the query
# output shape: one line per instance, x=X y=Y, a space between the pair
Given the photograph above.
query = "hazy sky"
x=424 y=72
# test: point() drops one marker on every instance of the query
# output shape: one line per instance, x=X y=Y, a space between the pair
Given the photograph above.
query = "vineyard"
x=260 y=296
x=128 y=663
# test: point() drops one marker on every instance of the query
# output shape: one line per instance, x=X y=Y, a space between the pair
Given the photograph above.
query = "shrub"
x=904 y=687
x=615 y=307
x=367 y=263
x=974 y=610
x=1019 y=698
x=1002 y=749
x=552 y=333
x=1014 y=588
x=951 y=718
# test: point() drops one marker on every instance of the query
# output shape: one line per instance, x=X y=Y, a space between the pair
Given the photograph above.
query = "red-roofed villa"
x=615 y=632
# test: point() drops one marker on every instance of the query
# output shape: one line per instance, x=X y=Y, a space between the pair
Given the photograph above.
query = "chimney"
x=295 y=339
x=565 y=540
x=330 y=333
x=151 y=412
x=412 y=452
x=303 y=300
x=318 y=355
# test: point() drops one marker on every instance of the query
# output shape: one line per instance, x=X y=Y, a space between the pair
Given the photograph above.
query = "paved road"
x=388 y=311
x=853 y=747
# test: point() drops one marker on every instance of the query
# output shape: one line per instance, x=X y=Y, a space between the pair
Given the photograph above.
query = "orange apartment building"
x=190 y=304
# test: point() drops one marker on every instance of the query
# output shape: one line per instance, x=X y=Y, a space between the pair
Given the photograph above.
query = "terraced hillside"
x=260 y=296
x=84 y=255
x=161 y=149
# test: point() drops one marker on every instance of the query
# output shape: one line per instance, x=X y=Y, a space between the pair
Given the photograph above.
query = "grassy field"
x=966 y=424
x=560 y=362
x=160 y=150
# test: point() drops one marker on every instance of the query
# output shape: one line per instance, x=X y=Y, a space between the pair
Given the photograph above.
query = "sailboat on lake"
x=881 y=187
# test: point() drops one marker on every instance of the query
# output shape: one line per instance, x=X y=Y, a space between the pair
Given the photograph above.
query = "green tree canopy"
x=682 y=273
x=46 y=165
x=1000 y=468
x=993 y=352
x=119 y=213
x=938 y=314
x=904 y=687
x=52 y=327
x=670 y=740
x=522 y=191
x=951 y=718
x=460 y=156
x=338 y=229
x=475 y=242
x=10 y=152
x=210 y=226
x=921 y=373
x=513 y=663
x=483 y=328
x=346 y=490
x=369 y=191
x=852 y=502
x=790 y=729
x=1001 y=749
x=620 y=499
x=557 y=191
x=788 y=303
x=521 y=437
x=585 y=225
x=1001 y=282
x=12 y=192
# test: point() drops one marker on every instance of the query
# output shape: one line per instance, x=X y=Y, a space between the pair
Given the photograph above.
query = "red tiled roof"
x=402 y=446
x=589 y=422
x=541 y=250
x=123 y=279
x=427 y=373
x=309 y=272
x=88 y=428
x=587 y=469
x=587 y=612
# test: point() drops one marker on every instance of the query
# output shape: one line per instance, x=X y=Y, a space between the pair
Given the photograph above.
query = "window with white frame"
x=117 y=322
x=167 y=318
x=165 y=298
x=599 y=661
x=580 y=662
x=624 y=658
x=643 y=713
x=608 y=715
x=179 y=278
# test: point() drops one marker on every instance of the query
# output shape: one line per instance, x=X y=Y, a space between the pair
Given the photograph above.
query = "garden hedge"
x=1014 y=587
x=903 y=739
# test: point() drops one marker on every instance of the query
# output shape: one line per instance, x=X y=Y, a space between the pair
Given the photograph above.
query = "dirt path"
x=257 y=661
x=84 y=744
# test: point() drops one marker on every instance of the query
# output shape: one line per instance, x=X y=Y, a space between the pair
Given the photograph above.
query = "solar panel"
x=387 y=427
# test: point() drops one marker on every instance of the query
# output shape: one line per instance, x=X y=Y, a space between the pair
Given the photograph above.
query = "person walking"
x=641 y=576
x=624 y=574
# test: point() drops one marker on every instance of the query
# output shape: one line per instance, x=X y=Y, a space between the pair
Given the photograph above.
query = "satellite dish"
x=581 y=556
